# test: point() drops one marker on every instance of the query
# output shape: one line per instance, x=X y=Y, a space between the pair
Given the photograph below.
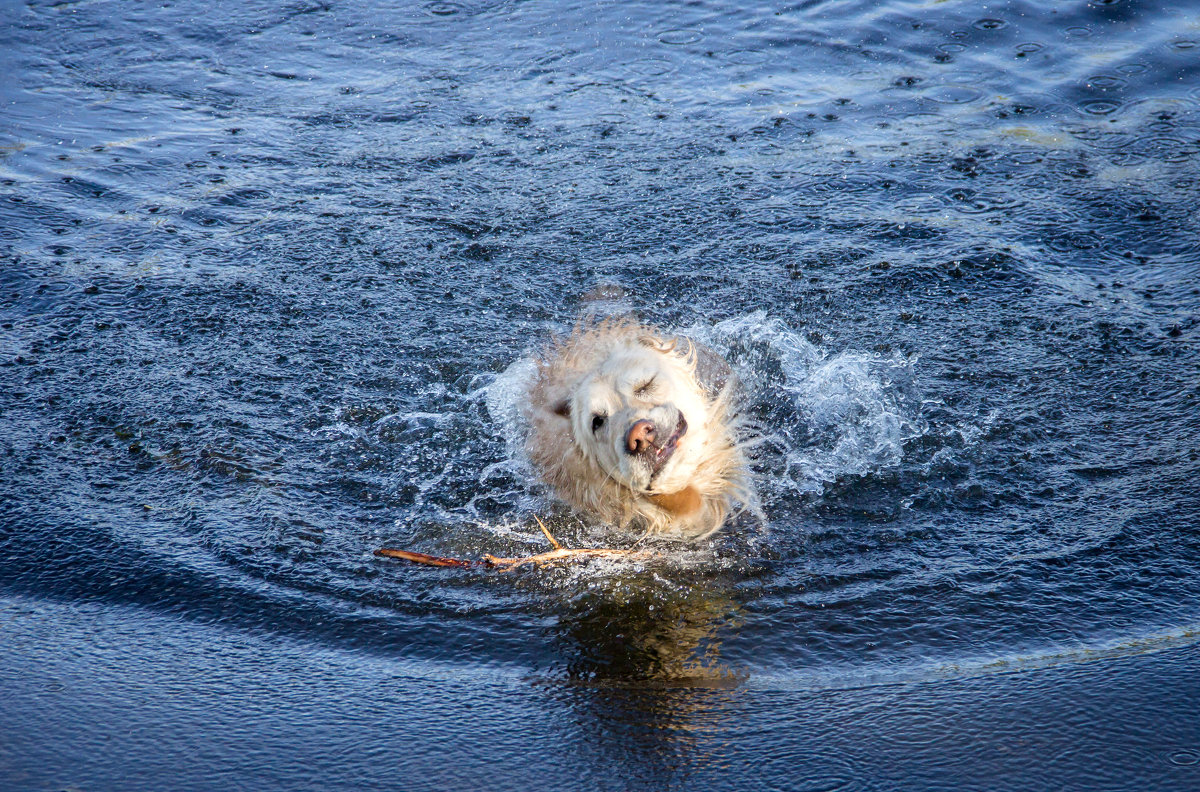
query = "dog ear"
x=563 y=408
x=658 y=344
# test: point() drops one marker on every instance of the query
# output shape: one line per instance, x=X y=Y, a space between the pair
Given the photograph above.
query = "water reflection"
x=651 y=734
x=644 y=673
x=650 y=634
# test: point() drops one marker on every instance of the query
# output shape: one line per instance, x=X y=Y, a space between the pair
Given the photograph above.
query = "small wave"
x=841 y=677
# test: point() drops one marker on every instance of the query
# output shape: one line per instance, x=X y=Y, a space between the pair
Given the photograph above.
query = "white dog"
x=625 y=428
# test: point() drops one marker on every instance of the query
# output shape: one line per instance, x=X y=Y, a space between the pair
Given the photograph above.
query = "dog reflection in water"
x=642 y=670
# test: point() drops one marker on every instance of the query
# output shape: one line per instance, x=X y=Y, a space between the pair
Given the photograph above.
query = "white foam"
x=851 y=413
x=857 y=413
x=504 y=397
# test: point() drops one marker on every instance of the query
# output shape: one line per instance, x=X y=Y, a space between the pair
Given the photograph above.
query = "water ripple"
x=260 y=317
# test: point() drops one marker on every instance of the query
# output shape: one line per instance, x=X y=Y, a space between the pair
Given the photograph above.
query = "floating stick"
x=425 y=558
x=553 y=542
x=557 y=555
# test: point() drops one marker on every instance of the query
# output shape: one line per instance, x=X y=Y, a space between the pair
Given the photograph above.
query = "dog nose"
x=640 y=437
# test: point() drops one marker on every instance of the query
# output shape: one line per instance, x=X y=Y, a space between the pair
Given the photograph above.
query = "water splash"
x=503 y=397
x=826 y=416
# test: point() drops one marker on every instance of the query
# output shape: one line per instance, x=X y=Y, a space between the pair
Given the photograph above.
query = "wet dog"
x=636 y=428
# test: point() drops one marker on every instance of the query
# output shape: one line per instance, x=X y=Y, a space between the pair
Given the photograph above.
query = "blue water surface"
x=269 y=271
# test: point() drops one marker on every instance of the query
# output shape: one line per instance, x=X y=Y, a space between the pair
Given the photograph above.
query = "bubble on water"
x=443 y=8
x=954 y=94
x=1106 y=82
x=1099 y=106
x=678 y=36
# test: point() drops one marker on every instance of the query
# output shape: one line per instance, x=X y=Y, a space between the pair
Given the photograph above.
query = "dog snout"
x=640 y=437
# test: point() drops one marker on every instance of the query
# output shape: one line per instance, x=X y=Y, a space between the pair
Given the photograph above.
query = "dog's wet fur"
x=637 y=429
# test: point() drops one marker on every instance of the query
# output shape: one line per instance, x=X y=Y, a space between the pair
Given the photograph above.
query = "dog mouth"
x=663 y=452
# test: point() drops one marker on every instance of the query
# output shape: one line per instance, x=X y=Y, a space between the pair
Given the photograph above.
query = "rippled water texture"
x=266 y=268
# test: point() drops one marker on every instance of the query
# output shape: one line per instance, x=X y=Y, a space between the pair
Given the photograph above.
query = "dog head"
x=638 y=415
x=622 y=428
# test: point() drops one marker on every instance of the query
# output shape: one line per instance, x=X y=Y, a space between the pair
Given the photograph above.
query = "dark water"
x=265 y=269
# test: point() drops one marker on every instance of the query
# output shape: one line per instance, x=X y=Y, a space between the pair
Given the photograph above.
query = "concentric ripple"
x=261 y=315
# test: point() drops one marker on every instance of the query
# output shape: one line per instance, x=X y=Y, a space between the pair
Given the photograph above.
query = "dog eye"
x=598 y=421
x=645 y=388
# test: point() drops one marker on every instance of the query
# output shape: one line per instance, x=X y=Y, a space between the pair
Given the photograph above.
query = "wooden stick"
x=557 y=555
x=546 y=531
x=425 y=558
x=565 y=554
